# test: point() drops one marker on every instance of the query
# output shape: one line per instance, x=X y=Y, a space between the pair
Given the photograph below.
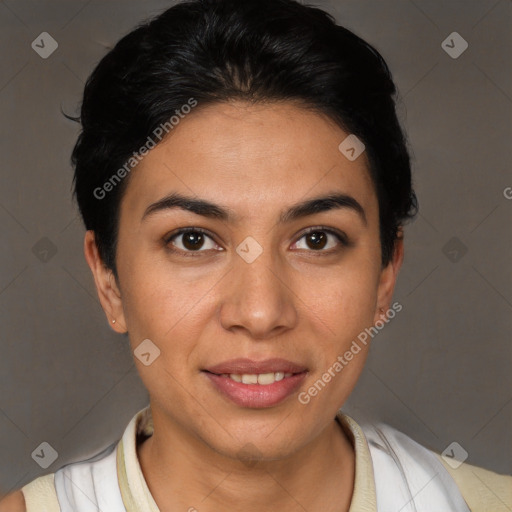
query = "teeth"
x=249 y=379
x=266 y=378
x=262 y=378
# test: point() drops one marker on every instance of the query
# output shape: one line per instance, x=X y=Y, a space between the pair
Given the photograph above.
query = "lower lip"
x=256 y=395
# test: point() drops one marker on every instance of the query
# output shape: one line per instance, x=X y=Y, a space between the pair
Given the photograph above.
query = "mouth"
x=263 y=379
x=253 y=384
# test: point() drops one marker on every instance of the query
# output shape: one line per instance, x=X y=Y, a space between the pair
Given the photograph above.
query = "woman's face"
x=253 y=284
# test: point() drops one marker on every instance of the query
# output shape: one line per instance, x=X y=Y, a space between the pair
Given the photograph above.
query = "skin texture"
x=14 y=502
x=294 y=301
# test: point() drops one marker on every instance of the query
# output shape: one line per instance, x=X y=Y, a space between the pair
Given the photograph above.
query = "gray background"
x=440 y=371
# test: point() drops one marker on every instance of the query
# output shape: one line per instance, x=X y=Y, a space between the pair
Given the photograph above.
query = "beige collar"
x=136 y=495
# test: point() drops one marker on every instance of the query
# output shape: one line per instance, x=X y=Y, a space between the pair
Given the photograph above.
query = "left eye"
x=318 y=239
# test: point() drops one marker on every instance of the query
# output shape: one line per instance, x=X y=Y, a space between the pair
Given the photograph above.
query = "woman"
x=244 y=183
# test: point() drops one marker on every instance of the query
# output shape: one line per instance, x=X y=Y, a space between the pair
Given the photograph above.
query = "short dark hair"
x=222 y=50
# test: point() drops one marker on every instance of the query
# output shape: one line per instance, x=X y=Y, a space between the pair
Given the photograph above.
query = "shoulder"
x=14 y=502
x=482 y=489
x=37 y=495
x=47 y=493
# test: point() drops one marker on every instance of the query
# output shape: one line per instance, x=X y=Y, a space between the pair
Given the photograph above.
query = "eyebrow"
x=211 y=210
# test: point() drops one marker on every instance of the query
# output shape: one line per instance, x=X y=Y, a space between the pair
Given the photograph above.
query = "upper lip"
x=248 y=366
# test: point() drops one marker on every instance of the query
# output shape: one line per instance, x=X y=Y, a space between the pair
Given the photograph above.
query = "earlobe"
x=106 y=285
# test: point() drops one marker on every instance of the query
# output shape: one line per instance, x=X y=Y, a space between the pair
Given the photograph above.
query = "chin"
x=256 y=440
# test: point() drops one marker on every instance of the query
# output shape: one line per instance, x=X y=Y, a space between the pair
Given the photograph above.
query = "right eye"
x=192 y=241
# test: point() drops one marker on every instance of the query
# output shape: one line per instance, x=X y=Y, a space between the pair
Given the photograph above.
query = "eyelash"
x=340 y=236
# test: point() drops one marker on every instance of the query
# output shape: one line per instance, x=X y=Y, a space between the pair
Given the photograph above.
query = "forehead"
x=254 y=158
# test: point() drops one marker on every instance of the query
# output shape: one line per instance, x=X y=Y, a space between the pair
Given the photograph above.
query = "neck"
x=183 y=473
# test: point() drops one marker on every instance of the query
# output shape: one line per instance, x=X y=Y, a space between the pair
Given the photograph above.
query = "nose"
x=258 y=297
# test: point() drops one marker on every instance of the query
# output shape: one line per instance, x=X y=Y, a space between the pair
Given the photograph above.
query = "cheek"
x=169 y=309
x=343 y=296
x=163 y=303
x=341 y=309
x=340 y=305
x=352 y=302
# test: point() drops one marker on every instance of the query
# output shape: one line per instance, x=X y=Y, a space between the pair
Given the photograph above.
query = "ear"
x=388 y=278
x=106 y=284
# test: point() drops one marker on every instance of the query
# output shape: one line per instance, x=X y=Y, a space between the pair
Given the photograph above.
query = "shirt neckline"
x=137 y=496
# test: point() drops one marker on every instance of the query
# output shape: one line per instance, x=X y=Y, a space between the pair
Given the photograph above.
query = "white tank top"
x=90 y=485
x=408 y=477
